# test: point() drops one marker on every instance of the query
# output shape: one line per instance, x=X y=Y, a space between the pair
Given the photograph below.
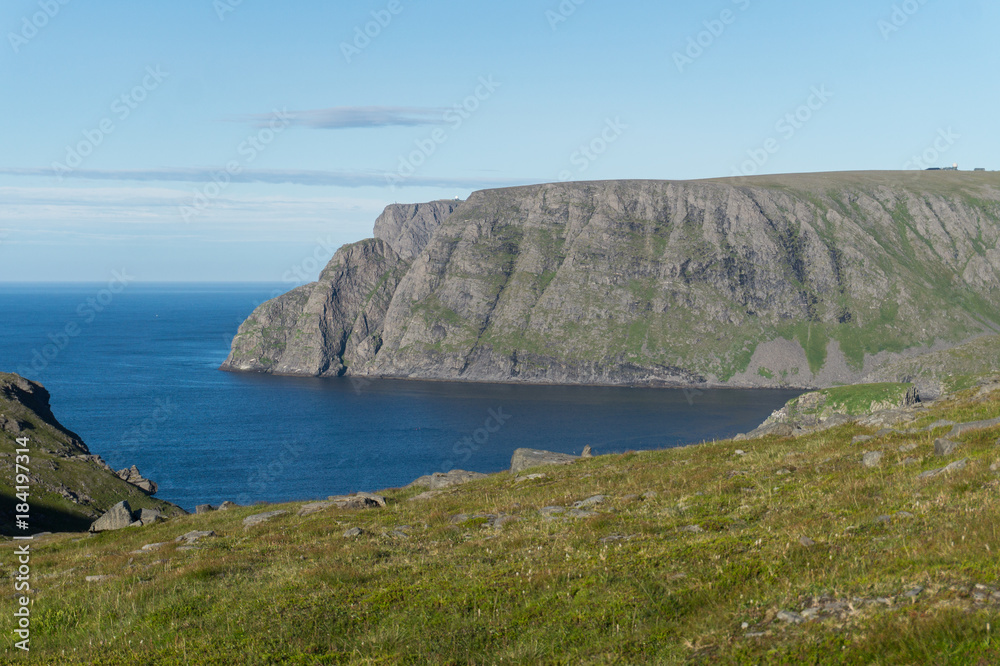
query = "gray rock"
x=133 y=476
x=904 y=514
x=356 y=501
x=193 y=537
x=913 y=592
x=906 y=448
x=154 y=546
x=909 y=461
x=954 y=467
x=944 y=447
x=314 y=507
x=872 y=459
x=353 y=532
x=204 y=508
x=527 y=458
x=590 y=501
x=529 y=477
x=587 y=453
x=149 y=516
x=884 y=519
x=260 y=518
x=407 y=228
x=430 y=494
x=857 y=439
x=552 y=510
x=98 y=579
x=807 y=542
x=694 y=529
x=455 y=477
x=995 y=467
x=972 y=426
x=227 y=505
x=117 y=517
x=790 y=617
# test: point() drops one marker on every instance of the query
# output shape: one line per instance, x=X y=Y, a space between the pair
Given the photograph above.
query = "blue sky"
x=232 y=141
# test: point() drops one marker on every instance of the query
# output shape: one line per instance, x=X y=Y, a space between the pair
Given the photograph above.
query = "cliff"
x=68 y=486
x=803 y=280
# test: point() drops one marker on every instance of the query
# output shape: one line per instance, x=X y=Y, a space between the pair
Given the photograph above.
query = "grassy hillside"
x=788 y=551
x=69 y=489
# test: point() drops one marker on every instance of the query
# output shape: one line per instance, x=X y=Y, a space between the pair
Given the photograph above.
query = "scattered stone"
x=529 y=477
x=353 y=532
x=227 y=505
x=458 y=519
x=693 y=529
x=98 y=579
x=861 y=438
x=913 y=592
x=193 y=537
x=590 y=501
x=203 y=508
x=500 y=521
x=872 y=459
x=133 y=476
x=954 y=467
x=402 y=532
x=904 y=514
x=783 y=471
x=260 y=518
x=884 y=519
x=906 y=448
x=587 y=452
x=526 y=458
x=442 y=480
x=884 y=431
x=740 y=452
x=910 y=461
x=117 y=517
x=154 y=546
x=995 y=467
x=650 y=494
x=944 y=447
x=939 y=424
x=551 y=510
x=963 y=428
x=314 y=507
x=807 y=542
x=631 y=498
x=790 y=617
x=356 y=501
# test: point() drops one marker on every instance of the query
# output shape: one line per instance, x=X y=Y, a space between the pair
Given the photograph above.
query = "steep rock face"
x=69 y=487
x=805 y=280
x=322 y=328
x=407 y=228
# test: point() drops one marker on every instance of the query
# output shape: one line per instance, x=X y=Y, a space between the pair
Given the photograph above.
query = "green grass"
x=294 y=591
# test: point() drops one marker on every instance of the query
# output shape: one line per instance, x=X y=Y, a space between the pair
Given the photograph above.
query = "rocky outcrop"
x=800 y=281
x=527 y=458
x=122 y=515
x=407 y=228
x=133 y=476
x=70 y=486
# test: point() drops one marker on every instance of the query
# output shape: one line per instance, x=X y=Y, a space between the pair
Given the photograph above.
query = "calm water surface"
x=135 y=374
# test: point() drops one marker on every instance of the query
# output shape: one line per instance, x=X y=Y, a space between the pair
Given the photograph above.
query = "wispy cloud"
x=273 y=176
x=353 y=117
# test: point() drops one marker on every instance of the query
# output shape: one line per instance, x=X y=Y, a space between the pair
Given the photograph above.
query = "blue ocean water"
x=134 y=371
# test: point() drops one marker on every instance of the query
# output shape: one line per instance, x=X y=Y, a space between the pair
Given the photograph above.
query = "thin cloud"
x=353 y=117
x=274 y=176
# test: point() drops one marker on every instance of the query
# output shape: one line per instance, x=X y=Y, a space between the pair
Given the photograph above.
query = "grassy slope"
x=550 y=591
x=51 y=449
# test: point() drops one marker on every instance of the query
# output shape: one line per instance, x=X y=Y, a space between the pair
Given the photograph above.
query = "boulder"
x=441 y=480
x=203 y=508
x=149 y=516
x=259 y=518
x=133 y=476
x=944 y=447
x=117 y=517
x=962 y=428
x=872 y=459
x=227 y=505
x=527 y=458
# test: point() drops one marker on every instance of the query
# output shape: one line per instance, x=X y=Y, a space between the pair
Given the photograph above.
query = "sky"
x=245 y=140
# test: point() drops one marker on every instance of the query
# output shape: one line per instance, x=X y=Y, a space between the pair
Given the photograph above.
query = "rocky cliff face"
x=805 y=280
x=68 y=487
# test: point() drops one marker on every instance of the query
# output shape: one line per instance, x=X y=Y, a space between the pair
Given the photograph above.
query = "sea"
x=134 y=370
